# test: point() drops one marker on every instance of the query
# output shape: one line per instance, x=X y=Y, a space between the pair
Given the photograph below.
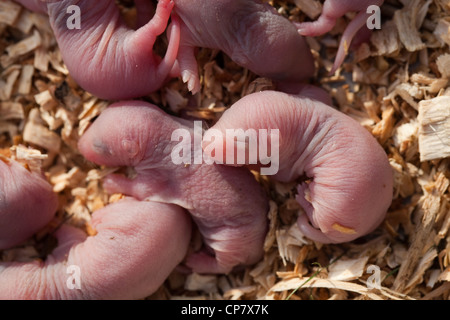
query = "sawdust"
x=396 y=85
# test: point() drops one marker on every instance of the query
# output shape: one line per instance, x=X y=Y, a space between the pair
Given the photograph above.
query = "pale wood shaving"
x=347 y=270
x=29 y=157
x=312 y=8
x=62 y=180
x=428 y=83
x=445 y=276
x=7 y=87
x=238 y=293
x=441 y=290
x=11 y=110
x=443 y=64
x=9 y=12
x=204 y=283
x=293 y=284
x=396 y=86
x=26 y=78
x=25 y=46
x=442 y=31
x=427 y=211
x=434 y=130
x=290 y=241
x=39 y=135
x=271 y=234
x=408 y=22
x=423 y=265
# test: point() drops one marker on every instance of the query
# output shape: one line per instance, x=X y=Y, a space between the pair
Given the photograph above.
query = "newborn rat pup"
x=27 y=203
x=226 y=203
x=137 y=245
x=349 y=183
x=333 y=10
x=250 y=32
x=104 y=56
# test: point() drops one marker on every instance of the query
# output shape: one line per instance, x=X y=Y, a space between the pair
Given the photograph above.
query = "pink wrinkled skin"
x=250 y=32
x=333 y=10
x=27 y=203
x=351 y=180
x=107 y=58
x=137 y=246
x=226 y=203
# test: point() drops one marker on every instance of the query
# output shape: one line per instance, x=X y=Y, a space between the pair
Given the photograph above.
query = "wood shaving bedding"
x=396 y=85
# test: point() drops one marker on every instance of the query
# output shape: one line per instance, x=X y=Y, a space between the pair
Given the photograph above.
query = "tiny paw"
x=192 y=81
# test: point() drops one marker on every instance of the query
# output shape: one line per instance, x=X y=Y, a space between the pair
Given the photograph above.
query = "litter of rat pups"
x=396 y=86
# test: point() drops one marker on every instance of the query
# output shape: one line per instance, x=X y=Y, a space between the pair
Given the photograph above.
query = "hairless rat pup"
x=113 y=62
x=349 y=186
x=27 y=203
x=227 y=204
x=333 y=10
x=104 y=56
x=137 y=245
x=250 y=32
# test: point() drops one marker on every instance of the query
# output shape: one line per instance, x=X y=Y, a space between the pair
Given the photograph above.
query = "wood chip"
x=11 y=110
x=238 y=293
x=290 y=242
x=429 y=83
x=175 y=100
x=442 y=31
x=434 y=130
x=37 y=134
x=428 y=210
x=25 y=22
x=41 y=60
x=25 y=46
x=6 y=90
x=424 y=264
x=386 y=40
x=347 y=270
x=9 y=12
x=312 y=8
x=408 y=92
x=26 y=78
x=445 y=276
x=31 y=158
x=396 y=85
x=383 y=129
x=443 y=64
x=205 y=283
x=293 y=284
x=406 y=22
x=62 y=180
